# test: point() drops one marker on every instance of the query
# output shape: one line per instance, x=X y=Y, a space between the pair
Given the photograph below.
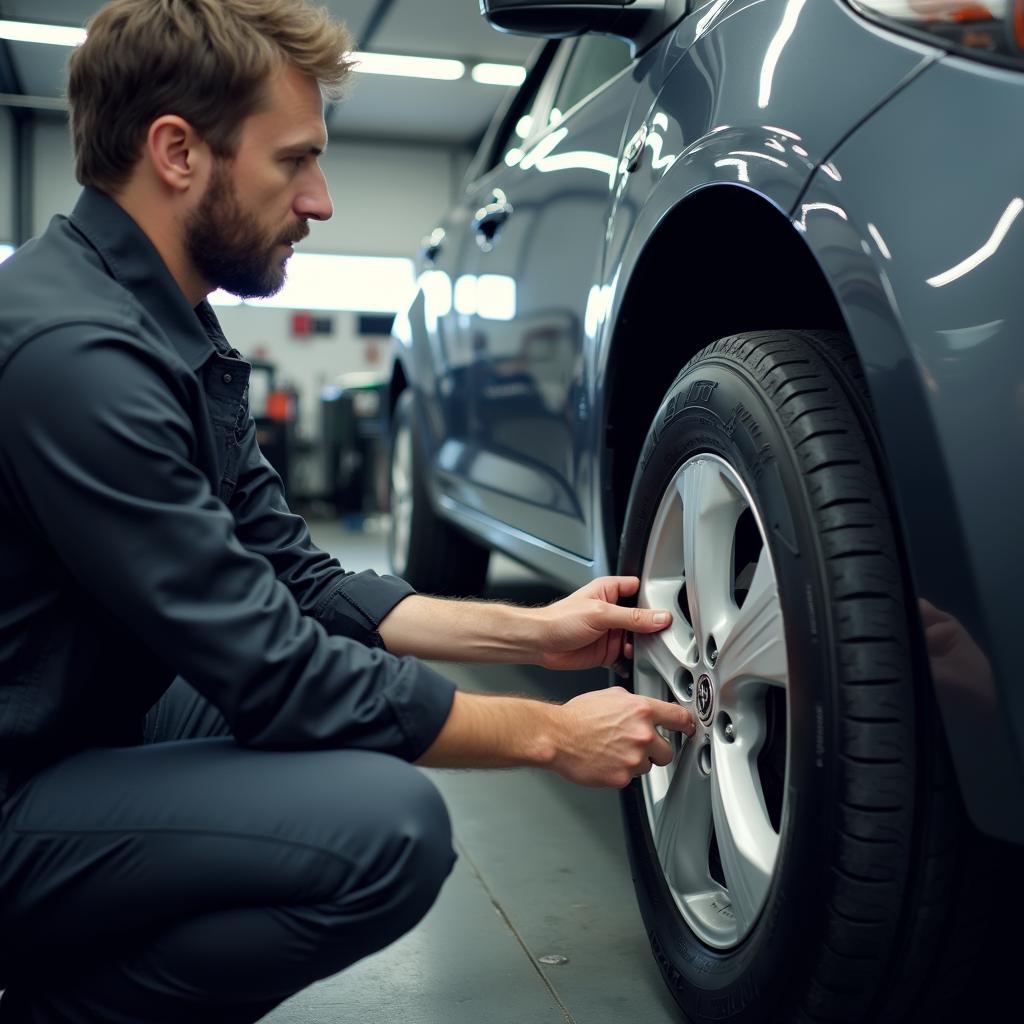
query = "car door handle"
x=490 y=218
x=635 y=149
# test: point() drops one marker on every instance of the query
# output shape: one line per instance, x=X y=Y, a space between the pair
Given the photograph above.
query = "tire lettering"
x=700 y=392
x=670 y=410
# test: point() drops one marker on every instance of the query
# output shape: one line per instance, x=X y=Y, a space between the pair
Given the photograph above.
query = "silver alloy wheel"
x=726 y=660
x=401 y=498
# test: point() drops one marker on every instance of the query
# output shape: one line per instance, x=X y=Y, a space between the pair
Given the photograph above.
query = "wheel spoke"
x=710 y=510
x=665 y=654
x=682 y=821
x=752 y=644
x=747 y=842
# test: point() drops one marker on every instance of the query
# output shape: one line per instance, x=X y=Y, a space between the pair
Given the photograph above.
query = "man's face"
x=258 y=202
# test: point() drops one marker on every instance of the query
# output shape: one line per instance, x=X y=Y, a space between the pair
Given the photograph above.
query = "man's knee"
x=420 y=841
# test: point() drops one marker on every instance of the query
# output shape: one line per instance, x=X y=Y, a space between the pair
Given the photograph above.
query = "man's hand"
x=608 y=737
x=602 y=738
x=589 y=628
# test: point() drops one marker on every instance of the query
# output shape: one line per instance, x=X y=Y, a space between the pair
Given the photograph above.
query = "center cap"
x=705 y=698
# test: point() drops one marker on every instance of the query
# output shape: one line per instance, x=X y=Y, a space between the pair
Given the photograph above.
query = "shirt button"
x=226 y=378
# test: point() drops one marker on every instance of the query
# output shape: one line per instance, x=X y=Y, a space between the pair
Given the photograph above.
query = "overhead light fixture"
x=498 y=74
x=31 y=32
x=439 y=68
x=408 y=67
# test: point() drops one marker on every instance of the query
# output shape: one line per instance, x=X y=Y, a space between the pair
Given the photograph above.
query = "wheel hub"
x=724 y=655
x=705 y=699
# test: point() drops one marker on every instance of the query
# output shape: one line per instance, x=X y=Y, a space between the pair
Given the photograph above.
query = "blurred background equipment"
x=274 y=410
x=353 y=443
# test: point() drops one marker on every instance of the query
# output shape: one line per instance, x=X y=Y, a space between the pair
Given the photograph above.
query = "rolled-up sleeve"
x=96 y=449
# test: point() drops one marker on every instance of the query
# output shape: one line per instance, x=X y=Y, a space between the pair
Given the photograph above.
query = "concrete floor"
x=542 y=870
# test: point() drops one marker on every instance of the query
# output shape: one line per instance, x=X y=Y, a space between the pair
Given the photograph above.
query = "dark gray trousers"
x=192 y=879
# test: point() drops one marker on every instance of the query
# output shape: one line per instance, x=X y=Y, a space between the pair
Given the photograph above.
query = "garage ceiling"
x=377 y=106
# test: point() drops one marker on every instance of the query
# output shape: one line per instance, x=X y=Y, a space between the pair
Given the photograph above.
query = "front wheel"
x=792 y=863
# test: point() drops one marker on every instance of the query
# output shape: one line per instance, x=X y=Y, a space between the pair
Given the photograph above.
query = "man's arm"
x=584 y=630
x=602 y=738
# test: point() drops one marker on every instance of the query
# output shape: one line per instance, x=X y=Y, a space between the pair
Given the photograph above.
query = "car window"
x=520 y=128
x=521 y=120
x=594 y=60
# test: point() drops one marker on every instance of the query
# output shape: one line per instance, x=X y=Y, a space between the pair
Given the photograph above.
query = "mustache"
x=297 y=235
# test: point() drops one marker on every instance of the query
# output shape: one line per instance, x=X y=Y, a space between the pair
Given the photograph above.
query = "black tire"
x=860 y=916
x=435 y=557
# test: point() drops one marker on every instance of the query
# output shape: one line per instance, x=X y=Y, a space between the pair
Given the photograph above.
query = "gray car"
x=734 y=301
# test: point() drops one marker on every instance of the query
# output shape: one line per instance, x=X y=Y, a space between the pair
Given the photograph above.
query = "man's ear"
x=176 y=153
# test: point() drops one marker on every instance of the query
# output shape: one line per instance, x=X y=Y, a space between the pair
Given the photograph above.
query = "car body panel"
x=528 y=393
x=807 y=107
x=928 y=272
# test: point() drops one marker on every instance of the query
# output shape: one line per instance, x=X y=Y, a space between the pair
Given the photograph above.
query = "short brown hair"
x=205 y=60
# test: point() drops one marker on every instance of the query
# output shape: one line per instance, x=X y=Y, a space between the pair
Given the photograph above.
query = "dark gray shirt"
x=143 y=535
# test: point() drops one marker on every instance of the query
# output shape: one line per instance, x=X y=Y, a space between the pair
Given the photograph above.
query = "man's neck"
x=163 y=227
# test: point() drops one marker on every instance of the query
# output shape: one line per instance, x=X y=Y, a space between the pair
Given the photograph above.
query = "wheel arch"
x=734 y=287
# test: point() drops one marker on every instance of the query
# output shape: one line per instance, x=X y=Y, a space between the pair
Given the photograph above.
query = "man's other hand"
x=609 y=737
x=590 y=628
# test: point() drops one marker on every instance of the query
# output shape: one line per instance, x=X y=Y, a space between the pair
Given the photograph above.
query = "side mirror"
x=555 y=19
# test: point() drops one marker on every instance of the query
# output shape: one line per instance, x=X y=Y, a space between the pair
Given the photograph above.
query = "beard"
x=228 y=246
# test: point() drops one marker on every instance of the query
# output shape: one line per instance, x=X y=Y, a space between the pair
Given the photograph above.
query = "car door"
x=522 y=299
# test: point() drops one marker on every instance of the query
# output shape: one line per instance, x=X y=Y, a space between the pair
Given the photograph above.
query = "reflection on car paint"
x=987 y=251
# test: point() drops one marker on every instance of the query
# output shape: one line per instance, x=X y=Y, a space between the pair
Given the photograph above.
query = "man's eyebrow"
x=301 y=148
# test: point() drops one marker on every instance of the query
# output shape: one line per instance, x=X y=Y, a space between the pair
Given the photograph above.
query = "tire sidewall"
x=715 y=407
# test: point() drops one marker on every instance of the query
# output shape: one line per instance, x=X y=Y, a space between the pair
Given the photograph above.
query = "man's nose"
x=314 y=201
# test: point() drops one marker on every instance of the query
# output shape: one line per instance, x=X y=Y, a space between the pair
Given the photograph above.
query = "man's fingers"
x=661 y=752
x=635 y=620
x=673 y=716
x=623 y=586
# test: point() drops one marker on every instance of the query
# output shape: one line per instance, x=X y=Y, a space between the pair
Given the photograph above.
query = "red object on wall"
x=281 y=406
x=302 y=325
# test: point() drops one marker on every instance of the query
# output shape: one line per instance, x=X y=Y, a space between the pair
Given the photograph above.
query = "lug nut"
x=730 y=731
x=712 y=651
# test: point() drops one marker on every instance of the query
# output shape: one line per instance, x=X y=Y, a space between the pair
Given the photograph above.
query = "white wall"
x=54 y=189
x=386 y=197
x=6 y=175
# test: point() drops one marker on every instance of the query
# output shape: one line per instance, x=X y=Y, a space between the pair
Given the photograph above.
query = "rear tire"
x=424 y=549
x=859 y=919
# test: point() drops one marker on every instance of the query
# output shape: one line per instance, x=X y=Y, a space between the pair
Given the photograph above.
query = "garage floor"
x=542 y=871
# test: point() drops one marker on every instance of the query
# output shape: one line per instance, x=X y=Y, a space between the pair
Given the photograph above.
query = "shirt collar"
x=132 y=259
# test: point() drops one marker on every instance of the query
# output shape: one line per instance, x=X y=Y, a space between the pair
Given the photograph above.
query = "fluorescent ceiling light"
x=408 y=67
x=439 y=68
x=498 y=74
x=5 y=251
x=30 y=32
